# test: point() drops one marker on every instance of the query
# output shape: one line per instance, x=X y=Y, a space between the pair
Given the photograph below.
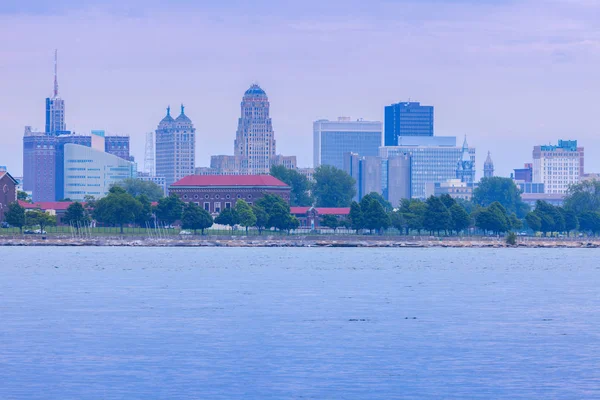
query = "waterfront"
x=312 y=323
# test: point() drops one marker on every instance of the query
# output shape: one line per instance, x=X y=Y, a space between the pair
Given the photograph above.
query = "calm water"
x=216 y=323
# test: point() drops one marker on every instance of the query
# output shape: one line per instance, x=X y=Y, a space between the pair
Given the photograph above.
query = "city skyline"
x=508 y=86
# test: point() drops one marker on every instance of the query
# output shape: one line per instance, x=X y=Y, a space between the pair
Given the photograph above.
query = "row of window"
x=217 y=196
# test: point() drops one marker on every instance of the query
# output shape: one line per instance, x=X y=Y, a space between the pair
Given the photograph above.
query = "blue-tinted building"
x=332 y=139
x=407 y=119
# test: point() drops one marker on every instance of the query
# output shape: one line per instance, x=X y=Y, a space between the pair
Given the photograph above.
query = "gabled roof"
x=321 y=210
x=229 y=180
x=2 y=173
x=46 y=205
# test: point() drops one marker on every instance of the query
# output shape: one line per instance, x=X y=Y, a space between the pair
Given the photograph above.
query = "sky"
x=507 y=74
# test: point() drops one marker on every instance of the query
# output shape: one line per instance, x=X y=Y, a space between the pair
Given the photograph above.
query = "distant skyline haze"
x=508 y=74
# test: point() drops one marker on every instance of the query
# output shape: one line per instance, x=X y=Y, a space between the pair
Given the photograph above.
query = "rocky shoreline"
x=338 y=242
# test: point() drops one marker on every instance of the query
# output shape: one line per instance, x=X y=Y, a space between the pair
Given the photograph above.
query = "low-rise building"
x=217 y=192
x=8 y=192
x=455 y=188
x=310 y=217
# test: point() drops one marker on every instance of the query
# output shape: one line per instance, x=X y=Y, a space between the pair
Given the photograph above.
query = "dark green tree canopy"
x=246 y=215
x=460 y=218
x=76 y=215
x=356 y=217
x=137 y=187
x=39 y=218
x=117 y=208
x=228 y=216
x=169 y=209
x=333 y=187
x=583 y=197
x=15 y=215
x=300 y=193
x=195 y=217
x=437 y=217
x=503 y=191
x=374 y=216
x=330 y=221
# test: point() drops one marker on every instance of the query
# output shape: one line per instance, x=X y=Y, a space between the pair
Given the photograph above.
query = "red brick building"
x=8 y=192
x=310 y=217
x=217 y=192
x=58 y=208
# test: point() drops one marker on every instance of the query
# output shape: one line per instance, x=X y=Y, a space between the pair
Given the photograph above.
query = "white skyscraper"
x=149 y=165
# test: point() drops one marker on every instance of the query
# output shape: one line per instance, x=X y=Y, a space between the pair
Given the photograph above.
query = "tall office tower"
x=465 y=168
x=407 y=119
x=39 y=165
x=149 y=167
x=55 y=106
x=488 y=167
x=332 y=139
x=558 y=167
x=175 y=147
x=255 y=139
x=366 y=171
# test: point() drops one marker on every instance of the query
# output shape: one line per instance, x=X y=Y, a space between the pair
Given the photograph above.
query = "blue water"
x=240 y=323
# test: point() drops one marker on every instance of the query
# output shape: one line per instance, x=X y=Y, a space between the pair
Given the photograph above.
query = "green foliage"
x=262 y=218
x=330 y=221
x=583 y=197
x=39 y=218
x=76 y=215
x=551 y=218
x=460 y=218
x=195 y=217
x=437 y=217
x=333 y=187
x=228 y=216
x=169 y=209
x=246 y=215
x=511 y=239
x=589 y=221
x=503 y=191
x=447 y=200
x=300 y=193
x=374 y=216
x=15 y=215
x=145 y=214
x=356 y=217
x=515 y=223
x=571 y=220
x=493 y=218
x=413 y=212
x=23 y=196
x=397 y=220
x=387 y=206
x=534 y=222
x=117 y=208
x=137 y=187
x=277 y=213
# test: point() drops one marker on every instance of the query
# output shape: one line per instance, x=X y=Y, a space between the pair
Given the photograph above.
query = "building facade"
x=175 y=147
x=217 y=192
x=524 y=174
x=432 y=160
x=465 y=169
x=396 y=173
x=407 y=119
x=366 y=172
x=332 y=139
x=558 y=167
x=8 y=192
x=455 y=188
x=310 y=217
x=39 y=165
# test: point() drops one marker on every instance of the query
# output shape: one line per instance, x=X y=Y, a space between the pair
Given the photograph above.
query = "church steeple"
x=488 y=167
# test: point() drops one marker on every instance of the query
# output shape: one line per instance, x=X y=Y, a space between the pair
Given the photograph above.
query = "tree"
x=583 y=197
x=330 y=221
x=41 y=218
x=23 y=196
x=15 y=215
x=169 y=209
x=300 y=193
x=534 y=222
x=502 y=190
x=279 y=217
x=76 y=215
x=333 y=187
x=447 y=200
x=292 y=223
x=245 y=214
x=515 y=223
x=551 y=218
x=117 y=208
x=397 y=221
x=262 y=218
x=356 y=217
x=138 y=187
x=493 y=218
x=437 y=217
x=373 y=214
x=195 y=217
x=145 y=214
x=460 y=218
x=228 y=216
x=571 y=221
x=589 y=221
x=413 y=212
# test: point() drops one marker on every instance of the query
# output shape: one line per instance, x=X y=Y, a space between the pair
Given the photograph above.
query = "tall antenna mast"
x=55 y=73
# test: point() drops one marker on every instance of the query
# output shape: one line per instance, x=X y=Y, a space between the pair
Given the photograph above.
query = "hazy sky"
x=508 y=74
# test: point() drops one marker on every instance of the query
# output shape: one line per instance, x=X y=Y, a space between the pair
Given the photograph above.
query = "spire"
x=465 y=145
x=55 y=73
x=168 y=111
x=182 y=108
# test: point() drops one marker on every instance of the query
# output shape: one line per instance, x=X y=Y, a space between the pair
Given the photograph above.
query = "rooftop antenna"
x=55 y=73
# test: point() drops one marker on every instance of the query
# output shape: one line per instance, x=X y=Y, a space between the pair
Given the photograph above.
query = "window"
x=196 y=197
x=249 y=196
x=217 y=207
x=207 y=206
x=217 y=196
x=206 y=196
x=185 y=196
x=228 y=205
x=239 y=196
x=227 y=196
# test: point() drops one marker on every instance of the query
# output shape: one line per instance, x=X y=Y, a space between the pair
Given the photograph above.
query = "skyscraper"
x=255 y=139
x=332 y=139
x=558 y=167
x=407 y=119
x=55 y=106
x=175 y=147
x=149 y=166
x=488 y=167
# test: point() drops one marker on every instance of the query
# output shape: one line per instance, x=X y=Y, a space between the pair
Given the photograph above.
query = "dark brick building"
x=217 y=192
x=8 y=192
x=310 y=217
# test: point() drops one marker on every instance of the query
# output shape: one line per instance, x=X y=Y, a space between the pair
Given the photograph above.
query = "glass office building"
x=92 y=172
x=432 y=160
x=407 y=119
x=332 y=139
